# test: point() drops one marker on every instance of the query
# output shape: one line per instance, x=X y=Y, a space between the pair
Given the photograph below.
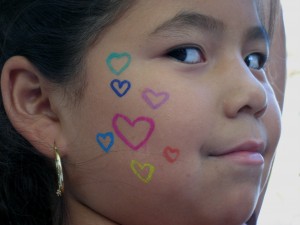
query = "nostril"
x=250 y=110
x=245 y=109
x=261 y=112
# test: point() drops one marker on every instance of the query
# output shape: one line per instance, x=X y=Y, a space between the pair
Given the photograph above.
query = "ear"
x=26 y=100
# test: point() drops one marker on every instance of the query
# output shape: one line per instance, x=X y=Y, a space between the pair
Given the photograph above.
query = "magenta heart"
x=155 y=99
x=145 y=121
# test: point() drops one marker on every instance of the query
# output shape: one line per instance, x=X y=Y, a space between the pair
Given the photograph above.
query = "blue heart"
x=117 y=85
x=115 y=56
x=101 y=137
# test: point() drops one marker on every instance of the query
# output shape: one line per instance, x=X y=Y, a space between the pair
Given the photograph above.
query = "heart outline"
x=120 y=85
x=146 y=98
x=116 y=55
x=132 y=124
x=151 y=167
x=169 y=152
x=104 y=136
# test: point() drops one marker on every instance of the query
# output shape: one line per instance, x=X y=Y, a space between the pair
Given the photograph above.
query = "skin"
x=276 y=71
x=216 y=103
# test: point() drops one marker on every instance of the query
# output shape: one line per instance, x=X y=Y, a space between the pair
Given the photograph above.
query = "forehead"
x=147 y=17
x=229 y=10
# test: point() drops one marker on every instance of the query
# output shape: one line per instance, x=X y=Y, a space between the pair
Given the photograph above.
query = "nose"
x=246 y=93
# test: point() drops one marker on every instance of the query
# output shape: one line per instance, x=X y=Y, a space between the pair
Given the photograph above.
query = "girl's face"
x=178 y=123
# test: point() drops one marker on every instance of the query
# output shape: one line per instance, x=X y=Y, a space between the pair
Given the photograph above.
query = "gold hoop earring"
x=60 y=176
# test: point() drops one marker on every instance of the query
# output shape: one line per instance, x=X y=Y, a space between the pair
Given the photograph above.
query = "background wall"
x=282 y=201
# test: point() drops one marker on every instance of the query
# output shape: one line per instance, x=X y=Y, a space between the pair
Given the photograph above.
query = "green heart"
x=116 y=56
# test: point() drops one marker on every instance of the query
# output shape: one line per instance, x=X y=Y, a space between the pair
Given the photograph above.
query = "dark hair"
x=270 y=21
x=54 y=35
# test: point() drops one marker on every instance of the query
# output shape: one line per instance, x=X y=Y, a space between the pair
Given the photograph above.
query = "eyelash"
x=261 y=61
x=185 y=54
x=181 y=54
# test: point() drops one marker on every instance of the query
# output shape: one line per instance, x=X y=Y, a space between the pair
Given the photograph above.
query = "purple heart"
x=155 y=99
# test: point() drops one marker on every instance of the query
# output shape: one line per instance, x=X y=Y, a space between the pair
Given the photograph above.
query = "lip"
x=248 y=153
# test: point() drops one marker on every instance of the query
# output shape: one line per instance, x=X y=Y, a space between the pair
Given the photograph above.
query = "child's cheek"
x=134 y=125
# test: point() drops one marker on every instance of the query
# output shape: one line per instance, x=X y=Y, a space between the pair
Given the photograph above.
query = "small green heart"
x=116 y=56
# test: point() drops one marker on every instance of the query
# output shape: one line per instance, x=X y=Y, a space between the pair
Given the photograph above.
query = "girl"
x=137 y=112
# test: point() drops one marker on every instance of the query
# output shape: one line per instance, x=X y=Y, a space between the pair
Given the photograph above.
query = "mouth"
x=248 y=153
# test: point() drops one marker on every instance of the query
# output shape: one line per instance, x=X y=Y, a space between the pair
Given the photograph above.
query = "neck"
x=80 y=214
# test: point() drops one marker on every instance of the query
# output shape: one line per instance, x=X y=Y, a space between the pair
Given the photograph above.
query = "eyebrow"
x=193 y=20
x=258 y=33
x=190 y=19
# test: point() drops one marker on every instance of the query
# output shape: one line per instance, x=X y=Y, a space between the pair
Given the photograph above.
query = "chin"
x=235 y=215
x=234 y=211
x=235 y=207
x=240 y=208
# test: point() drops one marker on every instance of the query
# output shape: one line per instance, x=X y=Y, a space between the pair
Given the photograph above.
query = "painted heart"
x=155 y=99
x=118 y=62
x=171 y=154
x=120 y=87
x=147 y=125
x=105 y=140
x=143 y=171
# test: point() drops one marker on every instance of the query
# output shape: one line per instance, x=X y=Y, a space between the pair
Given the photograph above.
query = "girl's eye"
x=188 y=55
x=255 y=61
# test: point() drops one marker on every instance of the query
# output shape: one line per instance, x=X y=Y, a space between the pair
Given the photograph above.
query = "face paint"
x=120 y=87
x=171 y=154
x=147 y=124
x=143 y=171
x=155 y=99
x=118 y=62
x=105 y=140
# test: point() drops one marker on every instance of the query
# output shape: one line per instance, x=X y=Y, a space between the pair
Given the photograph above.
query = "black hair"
x=54 y=35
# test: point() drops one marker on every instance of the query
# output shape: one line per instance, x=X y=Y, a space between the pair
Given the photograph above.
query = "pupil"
x=249 y=59
x=179 y=54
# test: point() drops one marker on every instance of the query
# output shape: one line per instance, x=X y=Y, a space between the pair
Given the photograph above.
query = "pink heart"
x=149 y=123
x=153 y=99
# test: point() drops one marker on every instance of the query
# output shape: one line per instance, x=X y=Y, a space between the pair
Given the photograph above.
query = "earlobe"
x=27 y=104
